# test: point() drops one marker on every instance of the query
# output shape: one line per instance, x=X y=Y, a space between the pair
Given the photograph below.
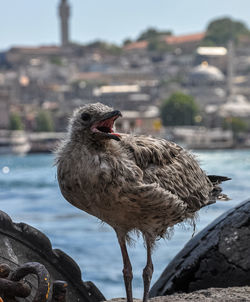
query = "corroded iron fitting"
x=59 y=291
x=13 y=284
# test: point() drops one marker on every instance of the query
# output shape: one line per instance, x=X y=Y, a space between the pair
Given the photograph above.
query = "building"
x=215 y=56
x=185 y=43
x=4 y=108
x=205 y=74
x=22 y=55
x=64 y=14
x=236 y=106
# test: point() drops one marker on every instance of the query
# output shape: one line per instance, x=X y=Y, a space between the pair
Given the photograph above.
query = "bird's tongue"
x=116 y=134
x=106 y=126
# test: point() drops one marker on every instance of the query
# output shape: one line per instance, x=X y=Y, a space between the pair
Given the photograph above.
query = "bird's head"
x=94 y=122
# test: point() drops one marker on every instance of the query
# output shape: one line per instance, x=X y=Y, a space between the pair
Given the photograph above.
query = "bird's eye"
x=85 y=117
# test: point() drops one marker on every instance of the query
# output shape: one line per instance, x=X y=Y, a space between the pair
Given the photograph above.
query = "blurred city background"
x=180 y=71
x=196 y=84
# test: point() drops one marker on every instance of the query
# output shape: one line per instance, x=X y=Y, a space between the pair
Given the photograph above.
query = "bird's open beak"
x=105 y=125
x=109 y=115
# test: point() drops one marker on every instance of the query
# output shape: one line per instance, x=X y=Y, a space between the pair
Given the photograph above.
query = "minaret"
x=230 y=69
x=64 y=14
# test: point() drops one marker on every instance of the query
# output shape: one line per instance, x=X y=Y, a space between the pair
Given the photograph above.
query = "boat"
x=44 y=142
x=14 y=142
x=203 y=138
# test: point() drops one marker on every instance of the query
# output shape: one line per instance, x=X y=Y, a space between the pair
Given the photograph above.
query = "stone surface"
x=219 y=256
x=232 y=294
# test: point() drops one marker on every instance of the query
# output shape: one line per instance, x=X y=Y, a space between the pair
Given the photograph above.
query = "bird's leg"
x=148 y=271
x=127 y=268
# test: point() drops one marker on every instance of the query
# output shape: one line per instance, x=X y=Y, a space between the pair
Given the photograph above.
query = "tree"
x=220 y=31
x=15 y=122
x=178 y=110
x=127 y=41
x=236 y=124
x=109 y=48
x=157 y=44
x=44 y=122
x=56 y=60
x=152 y=33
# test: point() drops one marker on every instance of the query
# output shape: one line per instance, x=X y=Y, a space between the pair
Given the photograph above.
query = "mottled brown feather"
x=139 y=183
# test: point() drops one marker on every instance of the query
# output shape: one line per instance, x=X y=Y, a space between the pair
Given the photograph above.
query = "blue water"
x=29 y=193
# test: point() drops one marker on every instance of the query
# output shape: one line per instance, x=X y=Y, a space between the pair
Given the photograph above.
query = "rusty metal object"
x=20 y=243
x=59 y=291
x=14 y=289
x=9 y=289
x=4 y=270
x=12 y=284
x=42 y=275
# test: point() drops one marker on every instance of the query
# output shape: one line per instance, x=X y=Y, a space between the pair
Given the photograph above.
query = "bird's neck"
x=93 y=145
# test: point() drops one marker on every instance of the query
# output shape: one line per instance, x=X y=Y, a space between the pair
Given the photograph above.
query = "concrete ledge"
x=231 y=294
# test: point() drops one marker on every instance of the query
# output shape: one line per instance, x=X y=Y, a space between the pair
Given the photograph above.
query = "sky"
x=35 y=22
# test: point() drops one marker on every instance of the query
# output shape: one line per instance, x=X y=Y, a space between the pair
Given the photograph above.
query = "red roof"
x=136 y=45
x=171 y=40
x=35 y=50
x=184 y=38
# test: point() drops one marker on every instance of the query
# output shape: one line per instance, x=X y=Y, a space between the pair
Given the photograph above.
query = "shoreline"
x=21 y=142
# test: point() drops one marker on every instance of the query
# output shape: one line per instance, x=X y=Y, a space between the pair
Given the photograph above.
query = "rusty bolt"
x=59 y=291
x=14 y=289
x=4 y=271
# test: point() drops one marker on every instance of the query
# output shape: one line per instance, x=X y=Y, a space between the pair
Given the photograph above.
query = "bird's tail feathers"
x=216 y=192
x=215 y=179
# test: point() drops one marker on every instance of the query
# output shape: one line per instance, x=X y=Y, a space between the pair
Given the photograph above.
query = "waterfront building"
x=4 y=108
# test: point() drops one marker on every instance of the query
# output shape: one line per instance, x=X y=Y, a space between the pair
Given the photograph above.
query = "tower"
x=230 y=69
x=64 y=14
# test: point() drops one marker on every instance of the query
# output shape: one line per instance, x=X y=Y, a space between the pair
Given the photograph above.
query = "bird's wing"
x=156 y=202
x=146 y=150
x=170 y=168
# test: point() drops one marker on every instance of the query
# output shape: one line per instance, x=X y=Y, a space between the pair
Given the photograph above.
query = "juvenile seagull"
x=133 y=183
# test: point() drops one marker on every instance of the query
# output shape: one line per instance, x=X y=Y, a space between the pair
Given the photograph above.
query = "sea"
x=29 y=193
